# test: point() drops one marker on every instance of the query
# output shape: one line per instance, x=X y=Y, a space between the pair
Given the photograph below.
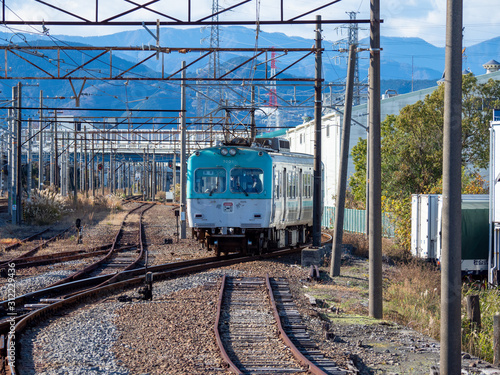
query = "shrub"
x=44 y=207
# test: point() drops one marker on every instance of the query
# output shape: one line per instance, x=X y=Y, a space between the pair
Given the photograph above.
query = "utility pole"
x=56 y=155
x=153 y=177
x=450 y=356
x=317 y=198
x=17 y=184
x=30 y=169
x=375 y=186
x=253 y=129
x=183 y=152
x=86 y=176
x=342 y=180
x=40 y=144
x=102 y=180
x=92 y=168
x=75 y=150
x=10 y=158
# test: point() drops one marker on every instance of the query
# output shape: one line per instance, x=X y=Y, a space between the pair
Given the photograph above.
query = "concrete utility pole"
x=30 y=160
x=341 y=186
x=86 y=175
x=183 y=152
x=75 y=170
x=17 y=205
x=40 y=145
x=253 y=129
x=375 y=185
x=92 y=168
x=10 y=158
x=317 y=198
x=450 y=361
x=153 y=177
x=102 y=161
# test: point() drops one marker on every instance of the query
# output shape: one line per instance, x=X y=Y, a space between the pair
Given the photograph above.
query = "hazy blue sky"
x=409 y=18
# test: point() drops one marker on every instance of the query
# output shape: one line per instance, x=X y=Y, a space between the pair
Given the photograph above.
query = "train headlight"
x=232 y=151
x=224 y=151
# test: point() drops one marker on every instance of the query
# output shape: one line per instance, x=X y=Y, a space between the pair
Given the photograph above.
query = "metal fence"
x=355 y=221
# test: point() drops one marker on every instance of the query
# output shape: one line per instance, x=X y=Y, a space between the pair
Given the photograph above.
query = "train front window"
x=246 y=180
x=210 y=180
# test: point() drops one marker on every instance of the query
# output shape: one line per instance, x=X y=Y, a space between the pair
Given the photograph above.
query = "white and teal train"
x=250 y=199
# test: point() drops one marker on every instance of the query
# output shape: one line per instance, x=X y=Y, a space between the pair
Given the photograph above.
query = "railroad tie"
x=297 y=331
x=249 y=332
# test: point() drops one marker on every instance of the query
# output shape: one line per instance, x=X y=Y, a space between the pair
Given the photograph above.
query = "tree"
x=412 y=148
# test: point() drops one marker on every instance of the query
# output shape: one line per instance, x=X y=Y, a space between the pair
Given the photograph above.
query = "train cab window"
x=210 y=180
x=246 y=180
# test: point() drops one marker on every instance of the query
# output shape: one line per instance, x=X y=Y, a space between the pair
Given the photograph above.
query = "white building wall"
x=302 y=140
x=331 y=145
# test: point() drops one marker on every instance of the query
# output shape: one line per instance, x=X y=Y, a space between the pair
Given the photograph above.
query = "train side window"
x=210 y=180
x=307 y=185
x=277 y=185
x=247 y=180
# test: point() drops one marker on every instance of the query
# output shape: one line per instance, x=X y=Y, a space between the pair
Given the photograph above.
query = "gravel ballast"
x=173 y=334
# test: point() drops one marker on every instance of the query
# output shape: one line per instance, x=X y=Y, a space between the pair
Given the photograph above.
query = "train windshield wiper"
x=212 y=191
x=243 y=190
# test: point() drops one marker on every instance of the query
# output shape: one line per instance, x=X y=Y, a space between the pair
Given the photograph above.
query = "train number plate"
x=227 y=207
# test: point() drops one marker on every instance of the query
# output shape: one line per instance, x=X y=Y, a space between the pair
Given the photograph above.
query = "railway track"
x=27 y=309
x=247 y=331
x=256 y=335
x=33 y=250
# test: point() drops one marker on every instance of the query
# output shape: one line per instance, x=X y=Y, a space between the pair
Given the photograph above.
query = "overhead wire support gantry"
x=38 y=59
x=188 y=17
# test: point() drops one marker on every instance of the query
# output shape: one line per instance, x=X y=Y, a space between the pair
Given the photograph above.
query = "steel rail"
x=42 y=260
x=313 y=369
x=16 y=245
x=109 y=254
x=174 y=270
x=34 y=250
x=222 y=349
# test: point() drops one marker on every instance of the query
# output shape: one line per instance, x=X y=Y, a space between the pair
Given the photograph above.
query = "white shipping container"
x=494 y=257
x=424 y=225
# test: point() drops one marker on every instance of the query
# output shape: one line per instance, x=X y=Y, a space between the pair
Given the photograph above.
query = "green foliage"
x=412 y=150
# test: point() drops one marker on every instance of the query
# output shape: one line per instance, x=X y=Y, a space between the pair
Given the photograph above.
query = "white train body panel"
x=221 y=198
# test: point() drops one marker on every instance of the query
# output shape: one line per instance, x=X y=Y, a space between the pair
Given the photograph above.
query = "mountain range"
x=406 y=63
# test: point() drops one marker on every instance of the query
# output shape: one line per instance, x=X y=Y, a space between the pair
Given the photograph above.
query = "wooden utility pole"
x=344 y=154
x=450 y=358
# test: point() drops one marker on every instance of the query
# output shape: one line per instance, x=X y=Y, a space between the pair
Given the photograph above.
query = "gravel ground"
x=30 y=284
x=163 y=336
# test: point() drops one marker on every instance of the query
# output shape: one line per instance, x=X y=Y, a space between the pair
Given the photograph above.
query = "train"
x=250 y=197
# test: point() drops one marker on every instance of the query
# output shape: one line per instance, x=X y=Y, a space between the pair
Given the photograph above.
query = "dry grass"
x=9 y=241
x=47 y=206
x=361 y=247
x=413 y=297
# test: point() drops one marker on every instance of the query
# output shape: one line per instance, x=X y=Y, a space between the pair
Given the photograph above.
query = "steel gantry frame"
x=34 y=55
x=188 y=18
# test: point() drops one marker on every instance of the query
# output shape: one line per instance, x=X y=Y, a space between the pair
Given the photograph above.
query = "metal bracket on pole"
x=156 y=37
